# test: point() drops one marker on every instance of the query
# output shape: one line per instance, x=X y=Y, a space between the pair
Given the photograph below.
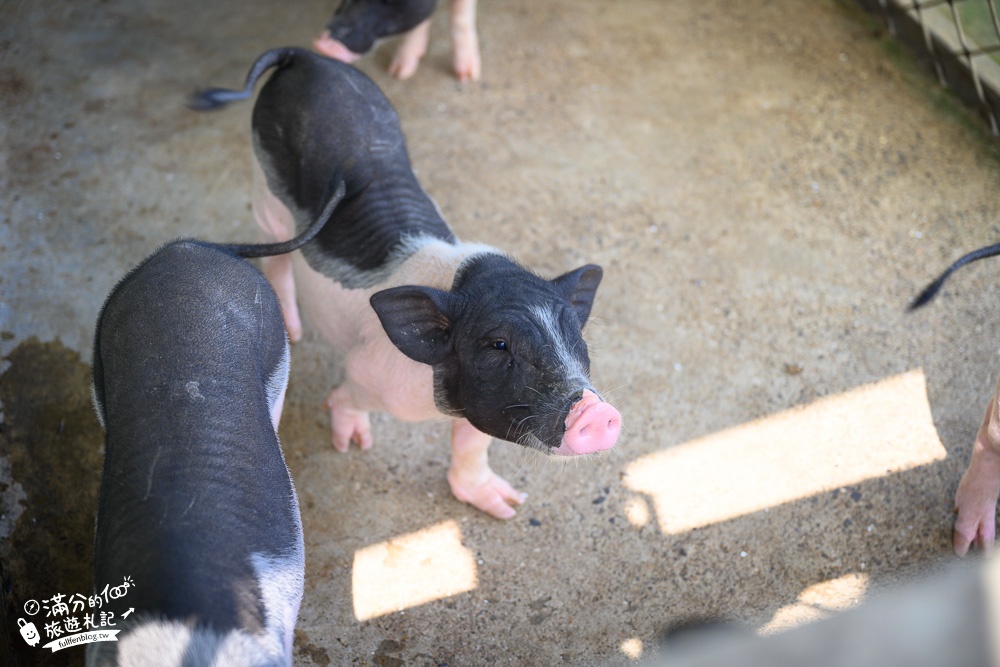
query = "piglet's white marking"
x=98 y=406
x=156 y=642
x=171 y=643
x=575 y=373
x=276 y=386
x=281 y=581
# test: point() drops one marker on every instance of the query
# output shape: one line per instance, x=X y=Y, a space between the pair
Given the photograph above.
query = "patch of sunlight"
x=840 y=440
x=632 y=648
x=637 y=511
x=819 y=601
x=412 y=570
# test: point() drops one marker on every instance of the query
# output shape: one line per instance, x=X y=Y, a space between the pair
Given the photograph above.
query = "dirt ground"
x=766 y=184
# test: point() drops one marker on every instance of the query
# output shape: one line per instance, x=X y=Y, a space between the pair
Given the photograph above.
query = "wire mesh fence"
x=961 y=41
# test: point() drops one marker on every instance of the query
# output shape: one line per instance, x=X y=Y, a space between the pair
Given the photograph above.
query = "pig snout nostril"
x=610 y=424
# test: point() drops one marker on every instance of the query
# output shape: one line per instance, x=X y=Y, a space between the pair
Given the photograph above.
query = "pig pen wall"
x=766 y=185
x=959 y=40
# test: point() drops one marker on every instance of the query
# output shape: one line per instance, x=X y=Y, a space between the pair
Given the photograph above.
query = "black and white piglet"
x=358 y=24
x=196 y=506
x=431 y=326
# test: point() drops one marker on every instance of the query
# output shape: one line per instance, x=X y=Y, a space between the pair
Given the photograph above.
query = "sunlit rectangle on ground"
x=840 y=440
x=412 y=570
x=819 y=601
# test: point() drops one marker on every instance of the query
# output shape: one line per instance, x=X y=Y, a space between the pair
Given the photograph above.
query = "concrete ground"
x=766 y=185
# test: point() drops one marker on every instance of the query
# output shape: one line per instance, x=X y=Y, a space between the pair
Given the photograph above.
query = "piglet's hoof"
x=976 y=502
x=349 y=425
x=467 y=60
x=492 y=495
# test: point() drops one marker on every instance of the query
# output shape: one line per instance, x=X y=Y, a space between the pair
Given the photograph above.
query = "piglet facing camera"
x=197 y=508
x=431 y=327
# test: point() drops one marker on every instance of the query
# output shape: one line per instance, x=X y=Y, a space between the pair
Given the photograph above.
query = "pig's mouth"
x=532 y=430
x=336 y=48
x=590 y=426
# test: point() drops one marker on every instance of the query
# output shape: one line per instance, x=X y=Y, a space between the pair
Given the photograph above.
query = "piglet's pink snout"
x=591 y=426
x=331 y=48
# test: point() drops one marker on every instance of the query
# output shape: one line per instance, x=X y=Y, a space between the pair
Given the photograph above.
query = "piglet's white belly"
x=338 y=314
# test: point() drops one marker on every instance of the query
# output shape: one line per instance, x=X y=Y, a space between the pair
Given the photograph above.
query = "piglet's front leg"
x=470 y=476
x=411 y=50
x=976 y=499
x=465 y=41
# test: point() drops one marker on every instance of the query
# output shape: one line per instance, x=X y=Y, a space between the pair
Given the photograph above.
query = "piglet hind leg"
x=411 y=50
x=465 y=41
x=348 y=422
x=976 y=498
x=278 y=271
x=470 y=477
x=276 y=226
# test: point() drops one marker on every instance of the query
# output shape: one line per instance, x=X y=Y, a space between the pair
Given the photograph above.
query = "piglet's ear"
x=418 y=320
x=579 y=287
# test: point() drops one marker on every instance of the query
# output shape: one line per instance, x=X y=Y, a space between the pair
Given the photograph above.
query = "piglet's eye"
x=499 y=344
